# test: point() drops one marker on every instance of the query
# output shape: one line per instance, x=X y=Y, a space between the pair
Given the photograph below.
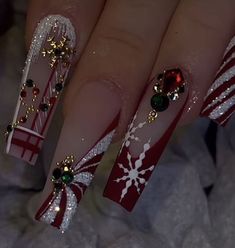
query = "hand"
x=119 y=46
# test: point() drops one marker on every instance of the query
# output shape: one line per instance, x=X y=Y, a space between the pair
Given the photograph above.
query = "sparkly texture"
x=99 y=148
x=174 y=96
x=64 y=27
x=81 y=178
x=222 y=79
x=226 y=62
x=220 y=98
x=230 y=45
x=49 y=216
x=70 y=209
x=84 y=177
x=221 y=109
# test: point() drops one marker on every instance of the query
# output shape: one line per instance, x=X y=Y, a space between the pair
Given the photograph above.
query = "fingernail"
x=148 y=134
x=219 y=103
x=87 y=136
x=47 y=66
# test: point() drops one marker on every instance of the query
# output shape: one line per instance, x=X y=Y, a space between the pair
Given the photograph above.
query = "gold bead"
x=152 y=116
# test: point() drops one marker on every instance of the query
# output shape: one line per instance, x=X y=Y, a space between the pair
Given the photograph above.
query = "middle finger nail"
x=147 y=136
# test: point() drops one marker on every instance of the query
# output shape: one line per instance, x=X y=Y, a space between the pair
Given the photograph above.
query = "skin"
x=124 y=42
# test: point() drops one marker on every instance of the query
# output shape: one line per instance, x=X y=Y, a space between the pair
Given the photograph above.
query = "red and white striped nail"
x=70 y=180
x=148 y=134
x=219 y=104
x=47 y=66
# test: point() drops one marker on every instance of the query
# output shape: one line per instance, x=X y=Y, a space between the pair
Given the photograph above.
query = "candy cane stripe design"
x=60 y=206
x=48 y=63
x=220 y=100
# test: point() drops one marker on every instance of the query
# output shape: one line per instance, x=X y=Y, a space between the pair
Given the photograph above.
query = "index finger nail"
x=47 y=66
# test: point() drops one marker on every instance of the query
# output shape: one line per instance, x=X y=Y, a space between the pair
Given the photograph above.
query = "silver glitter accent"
x=230 y=73
x=223 y=108
x=45 y=27
x=226 y=62
x=70 y=209
x=49 y=216
x=84 y=178
x=99 y=148
x=220 y=98
x=230 y=45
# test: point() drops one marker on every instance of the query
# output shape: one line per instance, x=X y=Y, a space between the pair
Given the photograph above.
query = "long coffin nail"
x=87 y=138
x=147 y=136
x=47 y=66
x=219 y=104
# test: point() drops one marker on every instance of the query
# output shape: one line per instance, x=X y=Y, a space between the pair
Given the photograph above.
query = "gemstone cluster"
x=167 y=87
x=63 y=174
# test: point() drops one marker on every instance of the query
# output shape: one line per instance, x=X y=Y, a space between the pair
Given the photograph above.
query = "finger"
x=194 y=41
x=108 y=81
x=52 y=53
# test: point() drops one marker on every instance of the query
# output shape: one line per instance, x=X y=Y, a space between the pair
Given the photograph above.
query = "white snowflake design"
x=130 y=135
x=133 y=175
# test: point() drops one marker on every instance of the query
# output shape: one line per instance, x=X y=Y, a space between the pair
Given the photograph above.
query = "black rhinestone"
x=181 y=89
x=58 y=187
x=160 y=76
x=43 y=107
x=58 y=87
x=159 y=102
x=29 y=83
x=57 y=52
x=9 y=128
x=56 y=174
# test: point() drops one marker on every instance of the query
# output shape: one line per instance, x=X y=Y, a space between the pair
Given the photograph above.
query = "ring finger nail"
x=86 y=134
x=152 y=126
x=219 y=104
x=47 y=66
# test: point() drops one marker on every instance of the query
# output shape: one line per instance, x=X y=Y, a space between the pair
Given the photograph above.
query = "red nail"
x=147 y=137
x=60 y=206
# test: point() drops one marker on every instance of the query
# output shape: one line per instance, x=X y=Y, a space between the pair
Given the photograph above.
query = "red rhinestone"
x=172 y=79
x=52 y=100
x=23 y=119
x=23 y=93
x=36 y=91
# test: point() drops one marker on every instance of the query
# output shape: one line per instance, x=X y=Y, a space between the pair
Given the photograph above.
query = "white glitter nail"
x=222 y=109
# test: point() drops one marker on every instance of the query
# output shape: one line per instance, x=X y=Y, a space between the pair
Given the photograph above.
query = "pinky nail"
x=148 y=134
x=219 y=103
x=47 y=66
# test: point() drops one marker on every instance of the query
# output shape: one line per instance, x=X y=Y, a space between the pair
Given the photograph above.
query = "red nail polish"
x=147 y=137
x=60 y=206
